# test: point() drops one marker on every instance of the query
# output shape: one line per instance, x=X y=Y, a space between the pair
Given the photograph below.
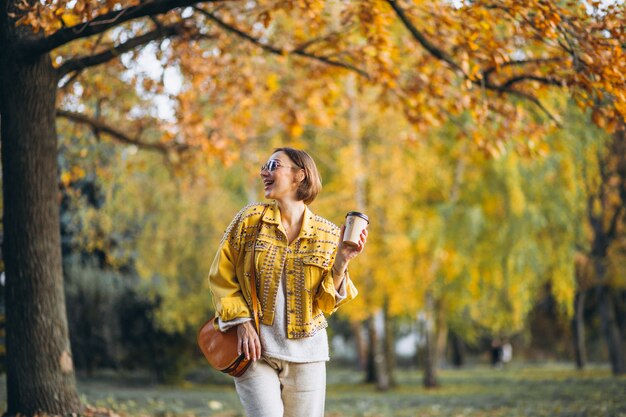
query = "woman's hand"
x=248 y=341
x=345 y=253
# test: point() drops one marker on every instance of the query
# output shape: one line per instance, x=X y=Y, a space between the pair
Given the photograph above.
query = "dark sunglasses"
x=272 y=165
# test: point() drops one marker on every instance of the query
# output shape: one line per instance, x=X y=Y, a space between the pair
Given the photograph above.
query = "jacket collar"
x=308 y=231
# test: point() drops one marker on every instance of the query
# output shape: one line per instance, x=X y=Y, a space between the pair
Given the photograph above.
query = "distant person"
x=496 y=353
x=507 y=352
x=301 y=273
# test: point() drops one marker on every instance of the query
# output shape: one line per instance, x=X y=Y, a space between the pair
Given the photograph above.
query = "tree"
x=521 y=51
x=44 y=45
x=605 y=213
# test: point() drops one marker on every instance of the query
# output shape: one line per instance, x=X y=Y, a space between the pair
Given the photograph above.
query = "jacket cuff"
x=225 y=325
x=341 y=294
x=233 y=308
x=325 y=297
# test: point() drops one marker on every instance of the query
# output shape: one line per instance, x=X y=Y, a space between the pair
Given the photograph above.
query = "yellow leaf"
x=295 y=130
x=66 y=178
x=272 y=82
x=77 y=172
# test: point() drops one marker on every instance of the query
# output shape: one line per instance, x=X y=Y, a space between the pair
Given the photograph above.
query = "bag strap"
x=255 y=300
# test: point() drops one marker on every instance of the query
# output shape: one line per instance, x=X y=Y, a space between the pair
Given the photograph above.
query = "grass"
x=528 y=391
x=484 y=392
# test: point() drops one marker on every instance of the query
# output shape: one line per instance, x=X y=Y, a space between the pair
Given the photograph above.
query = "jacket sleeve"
x=325 y=297
x=227 y=295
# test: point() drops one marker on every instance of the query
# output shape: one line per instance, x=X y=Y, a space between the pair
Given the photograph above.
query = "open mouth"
x=267 y=183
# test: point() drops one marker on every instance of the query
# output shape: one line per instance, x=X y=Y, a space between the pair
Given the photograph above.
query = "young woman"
x=301 y=274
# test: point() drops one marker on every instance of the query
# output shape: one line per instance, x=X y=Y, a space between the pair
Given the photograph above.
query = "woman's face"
x=280 y=177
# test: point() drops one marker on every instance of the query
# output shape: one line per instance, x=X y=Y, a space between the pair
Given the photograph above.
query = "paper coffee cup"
x=355 y=223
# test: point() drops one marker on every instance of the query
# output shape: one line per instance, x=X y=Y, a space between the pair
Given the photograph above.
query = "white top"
x=274 y=340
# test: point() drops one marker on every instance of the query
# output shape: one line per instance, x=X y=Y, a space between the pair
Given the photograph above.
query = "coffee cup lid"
x=358 y=214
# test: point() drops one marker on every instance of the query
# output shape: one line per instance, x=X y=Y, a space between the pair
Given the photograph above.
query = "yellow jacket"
x=307 y=263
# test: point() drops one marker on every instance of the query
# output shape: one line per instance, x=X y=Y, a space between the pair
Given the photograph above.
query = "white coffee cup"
x=356 y=222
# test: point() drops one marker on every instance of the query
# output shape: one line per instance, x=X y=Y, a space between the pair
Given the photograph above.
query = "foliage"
x=514 y=226
x=457 y=74
x=113 y=325
x=93 y=297
x=478 y=71
x=432 y=61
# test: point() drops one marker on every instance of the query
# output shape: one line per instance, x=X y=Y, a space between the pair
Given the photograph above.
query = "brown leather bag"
x=220 y=348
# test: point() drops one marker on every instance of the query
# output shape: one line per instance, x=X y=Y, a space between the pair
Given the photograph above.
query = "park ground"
x=549 y=390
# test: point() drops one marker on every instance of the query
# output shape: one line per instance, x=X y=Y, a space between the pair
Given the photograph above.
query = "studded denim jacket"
x=307 y=263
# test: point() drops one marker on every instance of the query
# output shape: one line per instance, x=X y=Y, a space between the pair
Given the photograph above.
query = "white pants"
x=277 y=388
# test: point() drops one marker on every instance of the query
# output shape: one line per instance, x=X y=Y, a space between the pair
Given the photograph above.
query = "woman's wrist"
x=339 y=272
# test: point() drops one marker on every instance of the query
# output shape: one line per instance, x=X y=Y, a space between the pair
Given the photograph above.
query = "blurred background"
x=467 y=251
x=493 y=177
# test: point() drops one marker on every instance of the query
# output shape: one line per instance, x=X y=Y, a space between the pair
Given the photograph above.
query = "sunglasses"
x=273 y=164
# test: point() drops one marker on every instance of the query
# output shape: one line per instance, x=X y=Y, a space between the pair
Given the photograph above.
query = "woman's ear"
x=300 y=176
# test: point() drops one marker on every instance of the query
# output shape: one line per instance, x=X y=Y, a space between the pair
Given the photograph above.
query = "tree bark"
x=608 y=321
x=607 y=305
x=390 y=346
x=458 y=349
x=611 y=331
x=612 y=168
x=433 y=318
x=378 y=370
x=40 y=374
x=362 y=347
x=578 y=329
x=370 y=367
x=441 y=330
x=430 y=356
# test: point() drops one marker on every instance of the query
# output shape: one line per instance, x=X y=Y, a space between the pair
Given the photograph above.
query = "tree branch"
x=70 y=80
x=443 y=56
x=419 y=37
x=103 y=23
x=99 y=126
x=543 y=80
x=602 y=169
x=536 y=102
x=278 y=51
x=80 y=63
x=611 y=233
x=522 y=62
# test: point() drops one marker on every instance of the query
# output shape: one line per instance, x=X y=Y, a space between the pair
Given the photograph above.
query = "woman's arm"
x=228 y=298
x=345 y=254
x=337 y=281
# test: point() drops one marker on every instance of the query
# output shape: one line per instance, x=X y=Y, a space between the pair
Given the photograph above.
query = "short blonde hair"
x=311 y=185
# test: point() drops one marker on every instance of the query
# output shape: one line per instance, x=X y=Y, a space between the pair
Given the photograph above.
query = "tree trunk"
x=390 y=346
x=607 y=315
x=441 y=330
x=430 y=356
x=578 y=329
x=611 y=331
x=362 y=347
x=458 y=350
x=432 y=314
x=40 y=374
x=613 y=170
x=377 y=337
x=610 y=325
x=370 y=367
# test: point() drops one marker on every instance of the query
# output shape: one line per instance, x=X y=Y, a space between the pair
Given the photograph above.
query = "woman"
x=301 y=273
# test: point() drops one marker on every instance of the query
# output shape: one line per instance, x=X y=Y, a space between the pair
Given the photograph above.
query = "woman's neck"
x=291 y=212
